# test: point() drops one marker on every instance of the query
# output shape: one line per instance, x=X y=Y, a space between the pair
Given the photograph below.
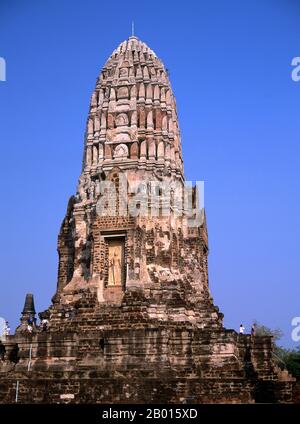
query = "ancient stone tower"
x=133 y=143
x=132 y=319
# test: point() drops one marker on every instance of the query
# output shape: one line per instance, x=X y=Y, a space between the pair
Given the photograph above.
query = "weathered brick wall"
x=66 y=249
x=147 y=390
x=109 y=355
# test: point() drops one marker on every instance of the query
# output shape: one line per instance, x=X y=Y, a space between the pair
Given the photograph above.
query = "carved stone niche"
x=124 y=71
x=121 y=151
x=122 y=132
x=115 y=259
x=123 y=93
x=122 y=120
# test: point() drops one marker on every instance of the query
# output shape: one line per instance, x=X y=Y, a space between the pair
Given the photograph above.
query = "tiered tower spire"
x=133 y=113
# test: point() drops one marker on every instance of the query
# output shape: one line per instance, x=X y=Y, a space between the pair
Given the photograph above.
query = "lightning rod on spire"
x=132 y=28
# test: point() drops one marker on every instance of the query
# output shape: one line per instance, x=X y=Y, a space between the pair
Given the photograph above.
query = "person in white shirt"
x=45 y=324
x=6 y=329
x=242 y=329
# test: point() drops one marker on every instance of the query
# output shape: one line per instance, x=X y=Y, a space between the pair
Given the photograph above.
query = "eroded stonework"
x=133 y=319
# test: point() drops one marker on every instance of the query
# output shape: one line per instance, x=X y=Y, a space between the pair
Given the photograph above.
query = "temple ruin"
x=132 y=319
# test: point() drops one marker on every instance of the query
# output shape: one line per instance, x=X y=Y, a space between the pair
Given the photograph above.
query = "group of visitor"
x=253 y=329
x=31 y=324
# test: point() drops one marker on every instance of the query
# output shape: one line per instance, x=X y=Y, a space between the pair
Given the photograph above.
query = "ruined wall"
x=170 y=364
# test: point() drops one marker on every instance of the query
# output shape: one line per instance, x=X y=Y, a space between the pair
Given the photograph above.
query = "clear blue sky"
x=230 y=68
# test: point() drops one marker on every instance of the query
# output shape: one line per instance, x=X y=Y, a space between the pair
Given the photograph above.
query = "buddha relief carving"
x=122 y=120
x=123 y=72
x=115 y=262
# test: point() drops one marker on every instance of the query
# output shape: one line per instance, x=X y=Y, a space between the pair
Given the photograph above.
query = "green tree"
x=262 y=330
x=291 y=358
x=286 y=358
